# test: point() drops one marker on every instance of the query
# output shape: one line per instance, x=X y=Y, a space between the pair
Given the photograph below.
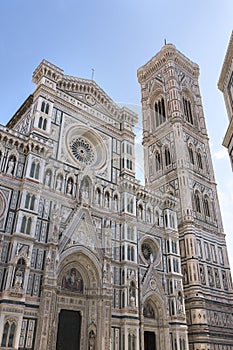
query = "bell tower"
x=177 y=160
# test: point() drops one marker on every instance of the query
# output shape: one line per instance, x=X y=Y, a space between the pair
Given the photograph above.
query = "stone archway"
x=78 y=289
x=80 y=283
x=155 y=329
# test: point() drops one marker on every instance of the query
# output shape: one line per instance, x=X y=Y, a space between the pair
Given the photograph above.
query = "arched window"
x=148 y=216
x=42 y=106
x=47 y=109
x=132 y=254
x=128 y=253
x=98 y=196
x=206 y=206
x=199 y=160
x=44 y=124
x=157 y=161
x=35 y=170
x=32 y=204
x=160 y=113
x=191 y=157
x=167 y=156
x=23 y=224
x=197 y=202
x=27 y=200
x=40 y=123
x=157 y=218
x=29 y=225
x=115 y=200
x=107 y=199
x=187 y=110
x=37 y=173
x=32 y=171
x=8 y=334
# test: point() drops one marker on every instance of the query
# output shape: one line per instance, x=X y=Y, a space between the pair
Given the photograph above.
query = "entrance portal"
x=68 y=335
x=149 y=341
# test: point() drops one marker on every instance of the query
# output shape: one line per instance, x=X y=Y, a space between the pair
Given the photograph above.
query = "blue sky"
x=116 y=38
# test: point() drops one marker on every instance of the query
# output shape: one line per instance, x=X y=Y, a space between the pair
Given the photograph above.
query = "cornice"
x=22 y=109
x=74 y=86
x=31 y=143
x=226 y=63
x=229 y=134
x=167 y=53
x=48 y=70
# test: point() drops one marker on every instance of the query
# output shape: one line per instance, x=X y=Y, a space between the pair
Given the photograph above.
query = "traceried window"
x=167 y=156
x=8 y=334
x=187 y=110
x=160 y=112
x=30 y=201
x=197 y=202
x=107 y=199
x=26 y=225
x=98 y=196
x=131 y=342
x=199 y=160
x=206 y=206
x=45 y=107
x=83 y=150
x=191 y=157
x=35 y=170
x=42 y=123
x=158 y=163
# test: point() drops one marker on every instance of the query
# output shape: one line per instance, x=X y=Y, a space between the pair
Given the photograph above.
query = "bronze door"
x=149 y=341
x=68 y=335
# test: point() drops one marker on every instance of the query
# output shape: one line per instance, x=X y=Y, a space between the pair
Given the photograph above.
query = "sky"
x=115 y=38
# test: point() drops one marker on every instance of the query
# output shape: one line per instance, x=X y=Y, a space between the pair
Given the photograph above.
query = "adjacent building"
x=92 y=259
x=225 y=84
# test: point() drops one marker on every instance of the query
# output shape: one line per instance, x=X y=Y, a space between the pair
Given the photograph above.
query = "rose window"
x=147 y=251
x=82 y=151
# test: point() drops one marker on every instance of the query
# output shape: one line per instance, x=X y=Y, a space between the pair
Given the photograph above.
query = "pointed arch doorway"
x=69 y=326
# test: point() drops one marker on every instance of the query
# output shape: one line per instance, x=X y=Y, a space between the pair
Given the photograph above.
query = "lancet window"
x=160 y=112
x=187 y=110
x=8 y=334
x=35 y=170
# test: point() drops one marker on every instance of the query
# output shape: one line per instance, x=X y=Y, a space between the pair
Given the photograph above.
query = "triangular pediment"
x=151 y=283
x=80 y=232
x=90 y=93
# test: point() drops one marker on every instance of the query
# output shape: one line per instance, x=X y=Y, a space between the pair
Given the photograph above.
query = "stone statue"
x=11 y=165
x=91 y=341
x=59 y=183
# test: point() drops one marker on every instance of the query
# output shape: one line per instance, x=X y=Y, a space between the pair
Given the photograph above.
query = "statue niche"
x=72 y=280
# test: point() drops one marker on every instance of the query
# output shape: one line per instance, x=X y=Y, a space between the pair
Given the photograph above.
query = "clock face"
x=230 y=90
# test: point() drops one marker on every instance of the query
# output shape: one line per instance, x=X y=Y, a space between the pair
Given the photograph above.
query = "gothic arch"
x=86 y=262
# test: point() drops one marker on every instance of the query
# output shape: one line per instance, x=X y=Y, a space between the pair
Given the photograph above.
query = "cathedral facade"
x=90 y=258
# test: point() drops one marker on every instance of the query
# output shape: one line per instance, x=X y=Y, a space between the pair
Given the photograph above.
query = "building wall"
x=81 y=236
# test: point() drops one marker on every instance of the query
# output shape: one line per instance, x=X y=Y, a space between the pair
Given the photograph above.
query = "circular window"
x=2 y=204
x=150 y=251
x=86 y=147
x=83 y=150
x=147 y=251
